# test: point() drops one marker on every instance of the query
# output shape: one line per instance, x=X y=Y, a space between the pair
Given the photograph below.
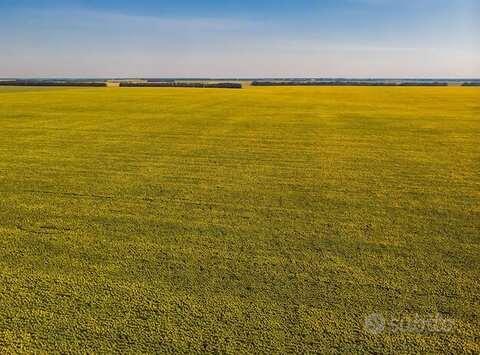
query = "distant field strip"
x=263 y=220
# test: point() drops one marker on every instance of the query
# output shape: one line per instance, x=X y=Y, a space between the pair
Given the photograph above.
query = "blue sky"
x=247 y=38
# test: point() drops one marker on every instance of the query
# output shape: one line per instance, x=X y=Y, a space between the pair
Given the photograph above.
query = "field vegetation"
x=263 y=220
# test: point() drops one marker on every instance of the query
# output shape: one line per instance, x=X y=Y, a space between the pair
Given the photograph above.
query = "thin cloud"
x=89 y=18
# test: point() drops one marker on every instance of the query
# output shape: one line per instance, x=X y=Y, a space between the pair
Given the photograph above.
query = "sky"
x=241 y=38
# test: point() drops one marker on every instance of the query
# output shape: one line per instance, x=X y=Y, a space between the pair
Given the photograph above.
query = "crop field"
x=263 y=220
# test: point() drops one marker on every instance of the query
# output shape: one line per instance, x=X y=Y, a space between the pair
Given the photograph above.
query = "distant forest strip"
x=228 y=85
x=344 y=83
x=121 y=84
x=51 y=83
x=184 y=85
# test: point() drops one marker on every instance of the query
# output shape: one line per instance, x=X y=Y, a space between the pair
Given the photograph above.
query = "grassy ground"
x=261 y=220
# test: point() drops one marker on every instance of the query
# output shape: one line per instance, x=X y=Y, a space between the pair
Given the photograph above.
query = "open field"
x=260 y=220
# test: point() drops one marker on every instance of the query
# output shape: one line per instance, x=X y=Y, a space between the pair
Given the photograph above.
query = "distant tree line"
x=50 y=83
x=344 y=83
x=221 y=85
x=228 y=85
x=423 y=84
x=170 y=84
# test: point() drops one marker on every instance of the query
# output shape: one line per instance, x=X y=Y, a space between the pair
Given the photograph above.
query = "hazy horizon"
x=199 y=77
x=425 y=39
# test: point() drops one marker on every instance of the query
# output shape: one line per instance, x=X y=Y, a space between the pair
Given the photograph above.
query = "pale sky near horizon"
x=249 y=38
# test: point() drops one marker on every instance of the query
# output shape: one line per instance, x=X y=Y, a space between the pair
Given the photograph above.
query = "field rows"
x=260 y=220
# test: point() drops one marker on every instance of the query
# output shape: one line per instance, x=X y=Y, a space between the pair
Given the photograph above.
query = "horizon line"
x=233 y=78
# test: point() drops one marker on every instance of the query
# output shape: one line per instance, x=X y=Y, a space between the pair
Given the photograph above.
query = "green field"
x=261 y=220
